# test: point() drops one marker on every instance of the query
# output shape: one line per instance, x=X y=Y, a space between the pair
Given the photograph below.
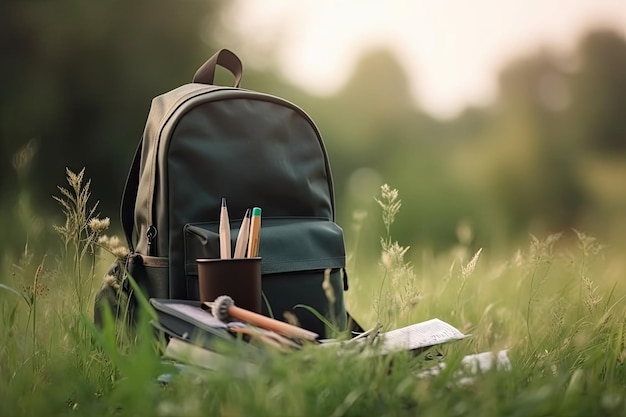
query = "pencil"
x=242 y=237
x=224 y=308
x=224 y=230
x=255 y=230
x=268 y=323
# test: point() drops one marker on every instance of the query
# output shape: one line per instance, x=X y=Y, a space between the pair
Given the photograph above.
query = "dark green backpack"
x=203 y=142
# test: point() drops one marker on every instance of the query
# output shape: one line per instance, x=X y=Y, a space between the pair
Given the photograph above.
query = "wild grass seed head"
x=402 y=294
x=113 y=245
x=75 y=203
x=591 y=299
x=98 y=226
x=468 y=269
x=390 y=203
x=541 y=250
x=588 y=244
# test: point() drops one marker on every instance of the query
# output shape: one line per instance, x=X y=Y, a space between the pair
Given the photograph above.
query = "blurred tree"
x=597 y=118
x=536 y=174
x=377 y=134
x=78 y=78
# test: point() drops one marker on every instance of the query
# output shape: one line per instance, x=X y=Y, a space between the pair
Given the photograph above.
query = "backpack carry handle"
x=223 y=58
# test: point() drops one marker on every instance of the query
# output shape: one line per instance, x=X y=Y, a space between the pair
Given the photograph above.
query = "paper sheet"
x=472 y=365
x=415 y=336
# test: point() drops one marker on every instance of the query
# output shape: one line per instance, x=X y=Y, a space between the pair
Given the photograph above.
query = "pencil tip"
x=247 y=213
x=223 y=202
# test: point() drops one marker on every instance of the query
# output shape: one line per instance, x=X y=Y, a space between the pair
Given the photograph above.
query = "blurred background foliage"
x=547 y=156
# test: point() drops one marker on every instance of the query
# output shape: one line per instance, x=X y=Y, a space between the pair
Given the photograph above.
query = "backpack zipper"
x=151 y=234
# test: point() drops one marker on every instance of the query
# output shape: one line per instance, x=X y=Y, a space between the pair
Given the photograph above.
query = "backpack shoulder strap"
x=129 y=196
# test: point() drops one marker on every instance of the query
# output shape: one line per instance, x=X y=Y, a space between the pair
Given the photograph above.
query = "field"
x=556 y=305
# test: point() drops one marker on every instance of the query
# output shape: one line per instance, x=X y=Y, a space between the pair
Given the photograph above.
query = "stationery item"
x=258 y=336
x=224 y=308
x=242 y=237
x=224 y=231
x=184 y=319
x=239 y=278
x=416 y=338
x=184 y=352
x=255 y=231
x=419 y=335
x=188 y=353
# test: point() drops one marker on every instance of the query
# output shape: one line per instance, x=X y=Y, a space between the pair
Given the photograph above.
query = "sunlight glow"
x=452 y=49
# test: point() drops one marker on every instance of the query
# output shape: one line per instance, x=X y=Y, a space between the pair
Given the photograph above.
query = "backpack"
x=203 y=142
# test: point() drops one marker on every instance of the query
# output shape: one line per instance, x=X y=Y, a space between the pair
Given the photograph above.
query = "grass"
x=556 y=305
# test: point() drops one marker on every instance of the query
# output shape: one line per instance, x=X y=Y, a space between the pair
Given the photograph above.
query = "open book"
x=419 y=335
x=414 y=337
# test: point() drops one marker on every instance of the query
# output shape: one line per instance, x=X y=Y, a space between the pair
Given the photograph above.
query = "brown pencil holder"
x=239 y=278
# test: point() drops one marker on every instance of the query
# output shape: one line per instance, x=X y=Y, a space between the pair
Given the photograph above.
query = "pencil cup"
x=239 y=278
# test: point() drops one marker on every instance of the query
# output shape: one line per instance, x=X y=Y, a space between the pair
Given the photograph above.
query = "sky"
x=452 y=50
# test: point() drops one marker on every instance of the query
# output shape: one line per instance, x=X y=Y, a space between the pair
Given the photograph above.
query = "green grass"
x=557 y=305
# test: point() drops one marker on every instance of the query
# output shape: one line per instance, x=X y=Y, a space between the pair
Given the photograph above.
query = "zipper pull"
x=151 y=236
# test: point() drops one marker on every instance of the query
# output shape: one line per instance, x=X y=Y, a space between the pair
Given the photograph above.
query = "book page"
x=198 y=314
x=428 y=333
x=188 y=353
